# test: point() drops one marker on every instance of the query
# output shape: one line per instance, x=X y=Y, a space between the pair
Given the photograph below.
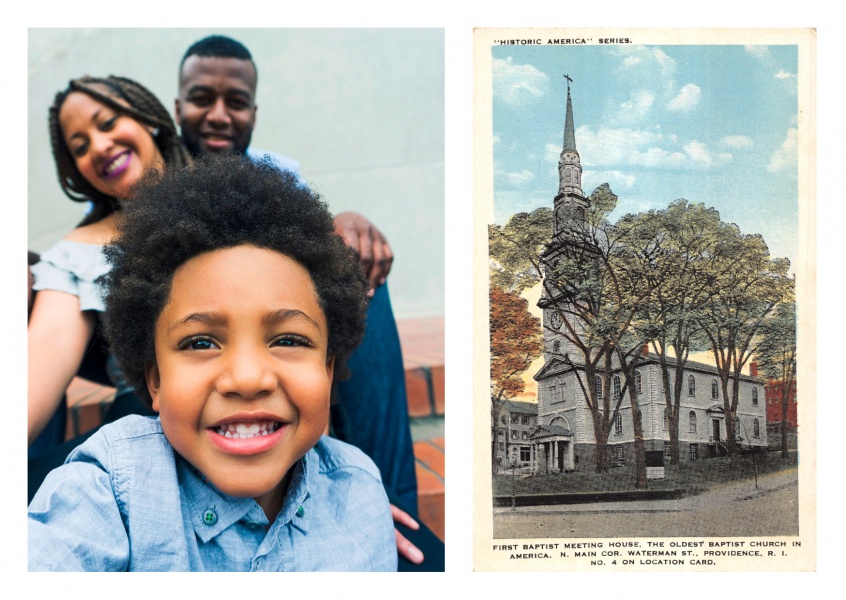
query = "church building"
x=564 y=438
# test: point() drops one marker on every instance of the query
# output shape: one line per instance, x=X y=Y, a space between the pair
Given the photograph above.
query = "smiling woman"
x=105 y=134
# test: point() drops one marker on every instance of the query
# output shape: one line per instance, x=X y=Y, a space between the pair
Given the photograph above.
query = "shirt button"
x=209 y=517
x=300 y=511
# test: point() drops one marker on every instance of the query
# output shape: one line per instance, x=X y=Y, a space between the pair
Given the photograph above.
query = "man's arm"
x=371 y=247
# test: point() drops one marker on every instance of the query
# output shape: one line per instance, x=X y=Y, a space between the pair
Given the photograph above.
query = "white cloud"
x=782 y=74
x=757 y=51
x=517 y=84
x=612 y=146
x=657 y=157
x=687 y=98
x=610 y=177
x=636 y=107
x=698 y=152
x=519 y=178
x=785 y=155
x=737 y=141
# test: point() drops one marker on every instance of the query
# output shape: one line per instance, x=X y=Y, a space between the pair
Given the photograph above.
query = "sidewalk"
x=724 y=493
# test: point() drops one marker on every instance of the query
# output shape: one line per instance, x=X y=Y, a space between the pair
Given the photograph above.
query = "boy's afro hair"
x=221 y=202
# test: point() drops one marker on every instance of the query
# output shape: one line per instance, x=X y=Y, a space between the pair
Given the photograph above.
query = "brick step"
x=430 y=467
x=422 y=342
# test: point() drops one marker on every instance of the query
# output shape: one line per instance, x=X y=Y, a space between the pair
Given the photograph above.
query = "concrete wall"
x=361 y=109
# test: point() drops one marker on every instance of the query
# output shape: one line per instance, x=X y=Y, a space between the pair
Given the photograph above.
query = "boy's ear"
x=151 y=375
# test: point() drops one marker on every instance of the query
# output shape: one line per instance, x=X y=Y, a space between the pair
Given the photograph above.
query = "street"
x=734 y=509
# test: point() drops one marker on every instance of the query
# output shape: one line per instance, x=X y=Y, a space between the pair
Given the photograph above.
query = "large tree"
x=748 y=285
x=776 y=358
x=589 y=278
x=676 y=262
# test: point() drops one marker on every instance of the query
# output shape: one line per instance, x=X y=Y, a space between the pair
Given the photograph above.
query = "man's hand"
x=371 y=247
x=404 y=547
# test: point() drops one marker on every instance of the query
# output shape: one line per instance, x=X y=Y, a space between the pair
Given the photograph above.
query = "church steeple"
x=570 y=201
x=569 y=130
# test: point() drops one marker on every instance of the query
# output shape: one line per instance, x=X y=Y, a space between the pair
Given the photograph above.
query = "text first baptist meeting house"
x=564 y=438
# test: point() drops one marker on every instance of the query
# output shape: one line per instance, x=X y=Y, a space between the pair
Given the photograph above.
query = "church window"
x=715 y=389
x=693 y=452
x=756 y=429
x=525 y=435
x=525 y=455
x=754 y=397
x=616 y=387
x=513 y=434
x=524 y=420
x=598 y=383
x=691 y=386
x=515 y=418
x=556 y=346
x=667 y=452
x=619 y=458
x=666 y=419
x=502 y=418
x=638 y=382
x=618 y=424
x=692 y=419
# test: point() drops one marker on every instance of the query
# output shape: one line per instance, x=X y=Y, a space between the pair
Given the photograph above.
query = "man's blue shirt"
x=124 y=500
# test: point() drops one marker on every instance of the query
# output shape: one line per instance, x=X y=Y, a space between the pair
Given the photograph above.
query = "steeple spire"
x=569 y=130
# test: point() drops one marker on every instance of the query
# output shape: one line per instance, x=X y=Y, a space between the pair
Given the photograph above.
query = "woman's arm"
x=58 y=335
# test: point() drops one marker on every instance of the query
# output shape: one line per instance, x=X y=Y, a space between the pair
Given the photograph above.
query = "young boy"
x=233 y=330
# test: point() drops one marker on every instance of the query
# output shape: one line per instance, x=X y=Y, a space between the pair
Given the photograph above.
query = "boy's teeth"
x=247 y=430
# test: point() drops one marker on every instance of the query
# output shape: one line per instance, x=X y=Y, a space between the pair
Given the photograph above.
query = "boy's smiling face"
x=242 y=378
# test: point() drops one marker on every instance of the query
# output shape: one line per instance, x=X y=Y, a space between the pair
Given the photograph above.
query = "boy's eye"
x=197 y=343
x=290 y=340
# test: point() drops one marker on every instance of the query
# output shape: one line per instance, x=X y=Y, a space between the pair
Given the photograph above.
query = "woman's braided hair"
x=144 y=107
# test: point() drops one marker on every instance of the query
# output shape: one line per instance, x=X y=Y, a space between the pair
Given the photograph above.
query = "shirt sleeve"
x=75 y=522
x=73 y=268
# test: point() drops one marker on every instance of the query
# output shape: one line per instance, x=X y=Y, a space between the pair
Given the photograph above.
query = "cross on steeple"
x=569 y=81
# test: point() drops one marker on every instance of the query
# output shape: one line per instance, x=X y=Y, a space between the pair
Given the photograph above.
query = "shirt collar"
x=211 y=512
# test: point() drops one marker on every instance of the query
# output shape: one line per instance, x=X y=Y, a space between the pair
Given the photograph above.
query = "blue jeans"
x=372 y=411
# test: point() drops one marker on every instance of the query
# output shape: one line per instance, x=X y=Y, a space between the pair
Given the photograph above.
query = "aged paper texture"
x=644 y=379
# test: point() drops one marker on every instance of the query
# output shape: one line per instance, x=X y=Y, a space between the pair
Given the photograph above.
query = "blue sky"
x=712 y=124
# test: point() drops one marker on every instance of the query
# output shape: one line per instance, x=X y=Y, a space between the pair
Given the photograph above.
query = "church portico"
x=553 y=449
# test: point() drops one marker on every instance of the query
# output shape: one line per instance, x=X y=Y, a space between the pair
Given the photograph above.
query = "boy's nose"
x=246 y=375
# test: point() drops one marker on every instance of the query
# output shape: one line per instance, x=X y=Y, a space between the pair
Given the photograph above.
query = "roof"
x=542 y=431
x=520 y=407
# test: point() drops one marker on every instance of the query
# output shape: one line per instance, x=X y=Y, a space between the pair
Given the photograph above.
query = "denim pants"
x=372 y=411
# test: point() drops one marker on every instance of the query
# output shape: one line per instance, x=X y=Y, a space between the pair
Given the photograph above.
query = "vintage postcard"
x=644 y=372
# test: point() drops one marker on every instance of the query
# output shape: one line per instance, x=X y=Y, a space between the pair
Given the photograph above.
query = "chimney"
x=645 y=351
x=753 y=369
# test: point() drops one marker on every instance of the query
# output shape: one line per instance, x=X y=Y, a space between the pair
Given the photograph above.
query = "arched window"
x=638 y=382
x=691 y=386
x=756 y=429
x=715 y=389
x=598 y=384
x=692 y=419
x=755 y=398
x=503 y=419
x=618 y=424
x=666 y=419
x=552 y=392
x=616 y=387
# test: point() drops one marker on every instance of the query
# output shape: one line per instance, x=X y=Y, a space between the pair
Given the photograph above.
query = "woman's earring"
x=155 y=132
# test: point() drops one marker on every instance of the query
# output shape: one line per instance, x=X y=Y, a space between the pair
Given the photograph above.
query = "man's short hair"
x=218 y=46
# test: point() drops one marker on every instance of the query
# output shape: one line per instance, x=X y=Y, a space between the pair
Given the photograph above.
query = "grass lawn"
x=691 y=476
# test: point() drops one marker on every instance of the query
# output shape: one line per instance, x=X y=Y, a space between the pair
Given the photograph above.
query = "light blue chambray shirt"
x=125 y=501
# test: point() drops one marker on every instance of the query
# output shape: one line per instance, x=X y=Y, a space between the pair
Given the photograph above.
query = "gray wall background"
x=361 y=109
